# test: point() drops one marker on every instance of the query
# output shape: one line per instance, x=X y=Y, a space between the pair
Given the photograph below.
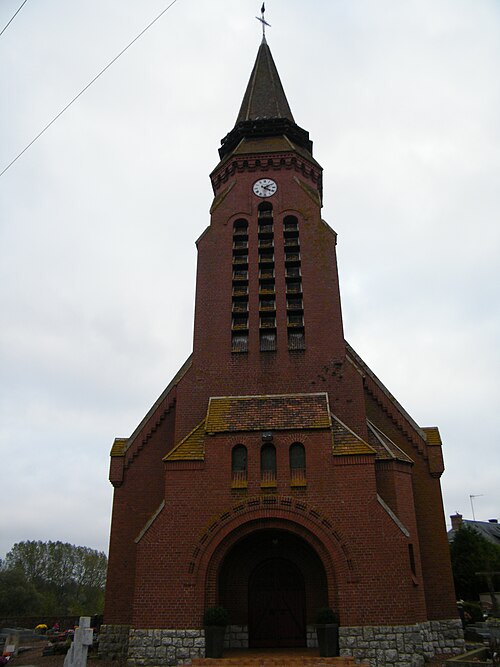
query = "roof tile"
x=266 y=413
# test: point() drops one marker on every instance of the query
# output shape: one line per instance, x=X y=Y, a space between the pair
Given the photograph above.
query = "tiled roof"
x=190 y=448
x=266 y=413
x=346 y=442
x=386 y=449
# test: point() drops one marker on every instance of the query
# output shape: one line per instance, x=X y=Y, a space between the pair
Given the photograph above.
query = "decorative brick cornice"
x=266 y=162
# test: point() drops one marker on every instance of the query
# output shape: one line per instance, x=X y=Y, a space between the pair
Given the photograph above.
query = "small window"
x=268 y=465
x=239 y=467
x=411 y=555
x=297 y=456
x=297 y=464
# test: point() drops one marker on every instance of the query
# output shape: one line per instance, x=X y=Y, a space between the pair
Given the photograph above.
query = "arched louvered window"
x=293 y=278
x=297 y=464
x=239 y=466
x=239 y=310
x=268 y=465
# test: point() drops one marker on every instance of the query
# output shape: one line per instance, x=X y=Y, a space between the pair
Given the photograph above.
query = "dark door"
x=276 y=599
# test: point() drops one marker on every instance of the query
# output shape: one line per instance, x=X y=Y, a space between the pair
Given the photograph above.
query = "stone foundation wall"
x=401 y=645
x=165 y=647
x=380 y=646
x=445 y=636
x=311 y=637
x=113 y=641
x=236 y=636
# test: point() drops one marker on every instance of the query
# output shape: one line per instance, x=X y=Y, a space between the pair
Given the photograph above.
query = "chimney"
x=492 y=520
x=456 y=521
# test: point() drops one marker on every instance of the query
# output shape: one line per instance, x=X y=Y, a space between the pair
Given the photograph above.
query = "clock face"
x=265 y=187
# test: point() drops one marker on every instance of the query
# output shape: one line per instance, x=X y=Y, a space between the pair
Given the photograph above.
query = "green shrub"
x=215 y=616
x=325 y=616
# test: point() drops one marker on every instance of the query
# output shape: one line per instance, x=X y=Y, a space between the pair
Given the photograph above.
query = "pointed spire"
x=264 y=96
x=265 y=111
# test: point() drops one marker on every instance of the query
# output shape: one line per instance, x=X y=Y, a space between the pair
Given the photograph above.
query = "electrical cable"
x=86 y=87
x=8 y=24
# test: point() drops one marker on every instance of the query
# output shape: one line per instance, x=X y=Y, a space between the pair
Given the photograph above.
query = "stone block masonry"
x=379 y=646
x=113 y=641
x=401 y=645
x=165 y=647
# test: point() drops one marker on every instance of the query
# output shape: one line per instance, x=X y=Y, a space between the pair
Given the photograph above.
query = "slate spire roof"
x=265 y=111
x=264 y=96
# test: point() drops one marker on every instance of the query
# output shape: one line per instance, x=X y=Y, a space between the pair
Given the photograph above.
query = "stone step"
x=283 y=660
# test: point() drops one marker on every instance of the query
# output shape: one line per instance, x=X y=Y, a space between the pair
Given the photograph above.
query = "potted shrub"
x=214 y=622
x=327 y=631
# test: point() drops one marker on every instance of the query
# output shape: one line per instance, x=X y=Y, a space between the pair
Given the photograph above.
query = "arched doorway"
x=272 y=581
x=276 y=604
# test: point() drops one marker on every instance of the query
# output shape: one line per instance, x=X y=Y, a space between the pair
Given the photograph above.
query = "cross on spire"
x=263 y=20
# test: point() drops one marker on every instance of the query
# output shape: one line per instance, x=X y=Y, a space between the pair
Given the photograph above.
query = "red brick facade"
x=357 y=526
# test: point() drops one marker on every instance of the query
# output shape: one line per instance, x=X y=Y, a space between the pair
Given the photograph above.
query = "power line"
x=8 y=24
x=86 y=87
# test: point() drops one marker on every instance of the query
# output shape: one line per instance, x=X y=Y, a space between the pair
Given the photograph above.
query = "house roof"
x=490 y=530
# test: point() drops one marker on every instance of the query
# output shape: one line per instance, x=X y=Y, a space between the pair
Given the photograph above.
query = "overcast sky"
x=99 y=217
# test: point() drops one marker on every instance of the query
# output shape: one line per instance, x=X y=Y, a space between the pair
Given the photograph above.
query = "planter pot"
x=214 y=641
x=328 y=639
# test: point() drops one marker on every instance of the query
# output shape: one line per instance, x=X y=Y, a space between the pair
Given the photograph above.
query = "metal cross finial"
x=263 y=20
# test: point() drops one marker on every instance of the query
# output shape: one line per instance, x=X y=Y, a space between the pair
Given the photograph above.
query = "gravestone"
x=77 y=654
x=11 y=644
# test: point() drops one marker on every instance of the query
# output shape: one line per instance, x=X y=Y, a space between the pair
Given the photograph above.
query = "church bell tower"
x=275 y=475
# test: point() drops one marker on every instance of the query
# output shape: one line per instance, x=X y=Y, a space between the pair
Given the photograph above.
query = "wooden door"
x=276 y=599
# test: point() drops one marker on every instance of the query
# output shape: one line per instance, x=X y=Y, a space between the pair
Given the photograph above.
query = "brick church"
x=276 y=474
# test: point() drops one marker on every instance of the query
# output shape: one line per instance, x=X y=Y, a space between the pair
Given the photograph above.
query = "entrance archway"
x=272 y=582
x=276 y=605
